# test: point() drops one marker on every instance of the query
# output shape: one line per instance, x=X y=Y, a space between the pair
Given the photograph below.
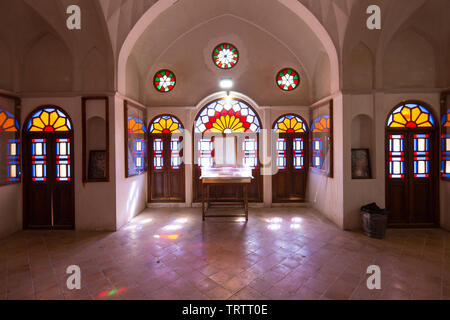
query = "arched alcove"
x=47 y=66
x=360 y=72
x=409 y=61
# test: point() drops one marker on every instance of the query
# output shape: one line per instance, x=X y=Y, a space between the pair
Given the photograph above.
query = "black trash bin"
x=374 y=220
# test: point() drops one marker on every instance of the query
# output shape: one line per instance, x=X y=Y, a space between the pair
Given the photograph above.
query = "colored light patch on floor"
x=110 y=293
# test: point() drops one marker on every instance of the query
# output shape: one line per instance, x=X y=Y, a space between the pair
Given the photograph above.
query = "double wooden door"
x=167 y=173
x=48 y=171
x=411 y=178
x=290 y=169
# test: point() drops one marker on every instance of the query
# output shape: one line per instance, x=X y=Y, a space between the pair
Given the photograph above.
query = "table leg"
x=246 y=201
x=203 y=201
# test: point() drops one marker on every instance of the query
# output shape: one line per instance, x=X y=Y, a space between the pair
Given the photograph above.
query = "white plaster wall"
x=327 y=194
x=130 y=193
x=94 y=204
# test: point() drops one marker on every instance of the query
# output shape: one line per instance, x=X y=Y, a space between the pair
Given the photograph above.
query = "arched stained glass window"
x=164 y=80
x=290 y=124
x=49 y=120
x=411 y=115
x=166 y=124
x=227 y=116
x=8 y=122
x=225 y=56
x=321 y=124
x=135 y=125
x=288 y=79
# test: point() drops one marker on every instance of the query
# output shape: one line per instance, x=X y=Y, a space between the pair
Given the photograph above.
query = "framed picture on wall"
x=361 y=164
x=97 y=165
x=445 y=136
x=322 y=139
x=135 y=139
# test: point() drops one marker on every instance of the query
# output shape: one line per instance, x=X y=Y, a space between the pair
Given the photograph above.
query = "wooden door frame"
x=434 y=162
x=307 y=142
x=26 y=142
x=150 y=137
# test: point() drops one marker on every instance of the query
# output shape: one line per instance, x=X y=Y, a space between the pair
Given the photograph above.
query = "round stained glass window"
x=164 y=80
x=288 y=79
x=225 y=56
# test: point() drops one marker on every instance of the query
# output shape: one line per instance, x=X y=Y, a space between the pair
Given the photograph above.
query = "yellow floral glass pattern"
x=411 y=116
x=49 y=120
x=135 y=125
x=165 y=124
x=321 y=124
x=290 y=124
x=7 y=122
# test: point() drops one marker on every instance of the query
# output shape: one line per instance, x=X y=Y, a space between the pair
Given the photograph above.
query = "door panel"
x=289 y=183
x=411 y=191
x=49 y=199
x=166 y=178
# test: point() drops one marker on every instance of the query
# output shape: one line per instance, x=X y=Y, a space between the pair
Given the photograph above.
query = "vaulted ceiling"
x=39 y=54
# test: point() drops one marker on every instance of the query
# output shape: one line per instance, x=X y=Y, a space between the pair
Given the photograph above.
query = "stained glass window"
x=250 y=150
x=396 y=156
x=205 y=149
x=158 y=150
x=298 y=153
x=63 y=160
x=39 y=160
x=290 y=124
x=317 y=148
x=164 y=80
x=8 y=122
x=49 y=120
x=445 y=141
x=281 y=153
x=13 y=160
x=421 y=156
x=411 y=115
x=445 y=156
x=227 y=116
x=288 y=79
x=225 y=56
x=321 y=124
x=166 y=124
x=175 y=153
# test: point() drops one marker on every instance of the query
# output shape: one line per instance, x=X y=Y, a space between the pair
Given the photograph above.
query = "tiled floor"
x=281 y=253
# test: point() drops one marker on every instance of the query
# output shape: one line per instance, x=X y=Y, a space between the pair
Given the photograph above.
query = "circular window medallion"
x=288 y=79
x=164 y=80
x=225 y=56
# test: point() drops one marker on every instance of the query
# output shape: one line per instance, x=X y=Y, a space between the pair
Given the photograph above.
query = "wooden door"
x=411 y=188
x=49 y=199
x=412 y=167
x=167 y=175
x=291 y=157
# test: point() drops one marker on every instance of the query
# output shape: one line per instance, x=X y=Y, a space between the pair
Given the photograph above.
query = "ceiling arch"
x=294 y=31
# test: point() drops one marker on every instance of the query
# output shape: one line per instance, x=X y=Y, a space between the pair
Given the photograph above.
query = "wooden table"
x=207 y=182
